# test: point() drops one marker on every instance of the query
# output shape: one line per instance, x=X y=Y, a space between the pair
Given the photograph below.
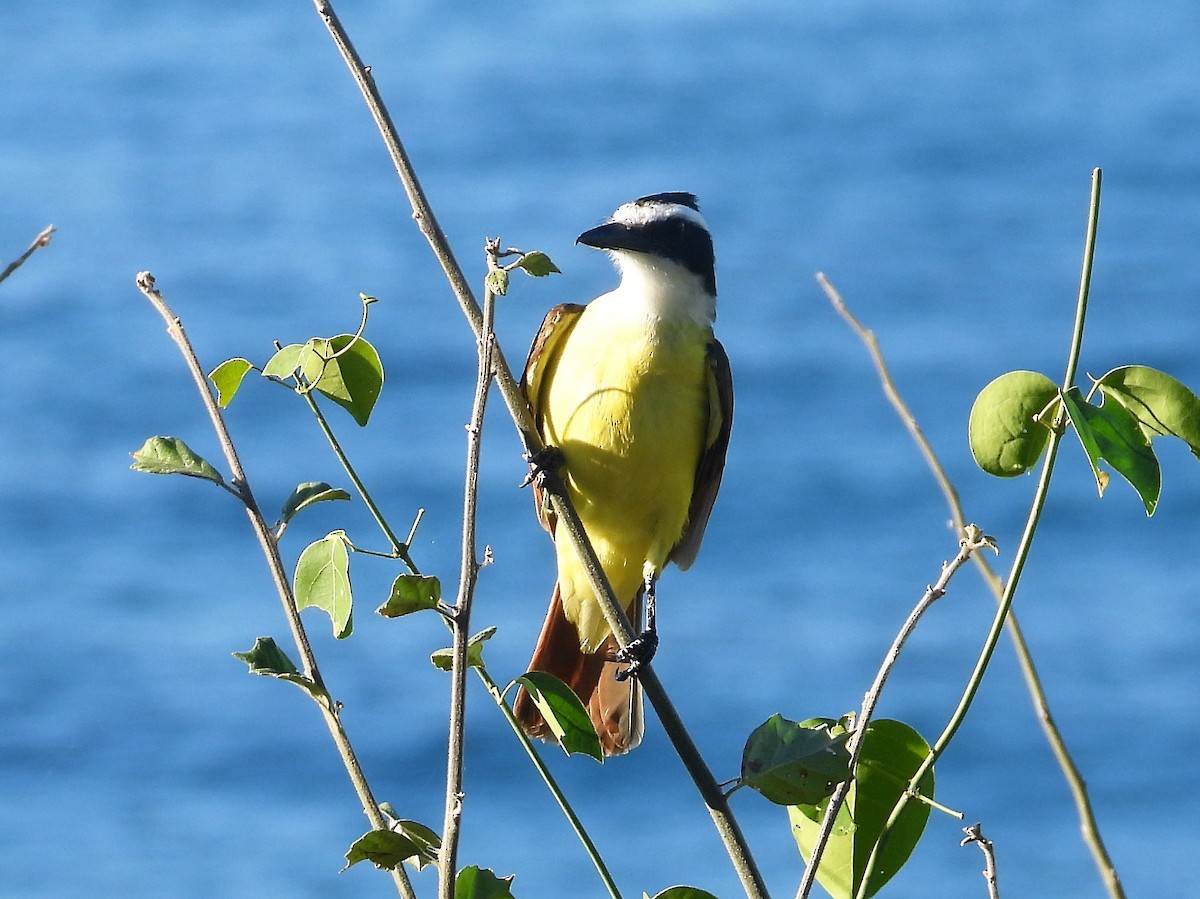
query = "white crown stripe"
x=635 y=215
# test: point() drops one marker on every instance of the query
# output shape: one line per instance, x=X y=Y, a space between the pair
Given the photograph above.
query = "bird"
x=633 y=393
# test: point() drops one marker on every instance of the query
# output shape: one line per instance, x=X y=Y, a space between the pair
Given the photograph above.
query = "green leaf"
x=538 y=264
x=266 y=659
x=1111 y=433
x=497 y=281
x=227 y=378
x=306 y=495
x=1005 y=440
x=323 y=580
x=564 y=714
x=170 y=455
x=407 y=841
x=681 y=892
x=1162 y=406
x=891 y=753
x=444 y=658
x=285 y=362
x=346 y=369
x=411 y=593
x=480 y=883
x=790 y=762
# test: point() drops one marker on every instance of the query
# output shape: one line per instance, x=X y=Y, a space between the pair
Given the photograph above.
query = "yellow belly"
x=627 y=404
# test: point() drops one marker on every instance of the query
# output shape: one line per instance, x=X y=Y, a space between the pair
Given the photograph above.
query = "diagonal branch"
x=42 y=240
x=329 y=708
x=568 y=520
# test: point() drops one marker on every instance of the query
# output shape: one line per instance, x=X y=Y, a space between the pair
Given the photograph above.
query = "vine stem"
x=1089 y=827
x=973 y=539
x=551 y=784
x=1026 y=541
x=328 y=706
x=718 y=808
x=400 y=549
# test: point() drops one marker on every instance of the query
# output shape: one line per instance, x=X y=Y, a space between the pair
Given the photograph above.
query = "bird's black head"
x=668 y=226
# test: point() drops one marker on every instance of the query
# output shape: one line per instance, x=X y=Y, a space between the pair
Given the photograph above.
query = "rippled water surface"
x=932 y=159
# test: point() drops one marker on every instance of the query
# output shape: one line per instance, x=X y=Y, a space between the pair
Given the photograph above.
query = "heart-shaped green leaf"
x=227 y=378
x=406 y=841
x=538 y=264
x=266 y=659
x=444 y=658
x=323 y=580
x=790 y=762
x=473 y=882
x=346 y=369
x=563 y=712
x=1005 y=440
x=891 y=753
x=306 y=495
x=411 y=593
x=170 y=455
x=1162 y=406
x=1111 y=433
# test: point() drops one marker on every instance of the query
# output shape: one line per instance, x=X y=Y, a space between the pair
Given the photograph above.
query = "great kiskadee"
x=635 y=392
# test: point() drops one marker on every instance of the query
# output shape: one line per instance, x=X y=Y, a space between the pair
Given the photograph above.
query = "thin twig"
x=973 y=539
x=42 y=240
x=329 y=708
x=1023 y=546
x=1089 y=827
x=461 y=611
x=568 y=521
x=974 y=834
x=399 y=550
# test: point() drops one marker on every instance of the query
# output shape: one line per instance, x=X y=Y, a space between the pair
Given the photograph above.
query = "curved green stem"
x=399 y=549
x=1023 y=547
x=551 y=784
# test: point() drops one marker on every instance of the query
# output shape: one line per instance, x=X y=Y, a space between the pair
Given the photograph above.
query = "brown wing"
x=539 y=371
x=712 y=460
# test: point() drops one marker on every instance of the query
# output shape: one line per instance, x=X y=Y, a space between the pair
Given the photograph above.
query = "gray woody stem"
x=329 y=708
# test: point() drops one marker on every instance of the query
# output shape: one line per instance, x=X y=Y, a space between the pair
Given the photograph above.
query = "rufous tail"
x=615 y=707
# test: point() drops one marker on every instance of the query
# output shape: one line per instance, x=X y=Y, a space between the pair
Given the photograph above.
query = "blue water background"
x=933 y=158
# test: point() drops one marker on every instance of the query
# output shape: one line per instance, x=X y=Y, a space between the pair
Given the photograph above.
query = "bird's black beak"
x=615 y=236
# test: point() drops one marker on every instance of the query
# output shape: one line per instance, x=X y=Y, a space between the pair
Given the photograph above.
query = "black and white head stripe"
x=666 y=225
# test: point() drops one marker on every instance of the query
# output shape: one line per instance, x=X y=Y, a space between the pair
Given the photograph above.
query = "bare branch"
x=974 y=834
x=42 y=240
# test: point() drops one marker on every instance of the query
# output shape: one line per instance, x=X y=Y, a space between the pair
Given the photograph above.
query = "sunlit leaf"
x=170 y=455
x=285 y=362
x=406 y=841
x=791 y=762
x=891 y=753
x=1111 y=433
x=480 y=883
x=681 y=892
x=538 y=264
x=307 y=494
x=444 y=658
x=564 y=714
x=227 y=378
x=1162 y=406
x=266 y=659
x=411 y=593
x=1005 y=440
x=323 y=580
x=346 y=369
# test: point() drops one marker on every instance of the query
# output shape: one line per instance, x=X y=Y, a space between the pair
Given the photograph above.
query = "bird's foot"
x=547 y=459
x=639 y=652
